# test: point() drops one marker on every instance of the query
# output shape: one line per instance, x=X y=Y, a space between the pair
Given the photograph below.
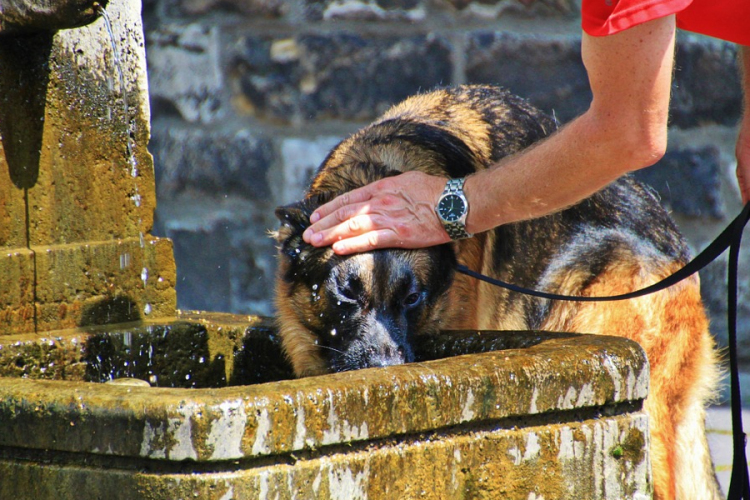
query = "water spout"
x=28 y=16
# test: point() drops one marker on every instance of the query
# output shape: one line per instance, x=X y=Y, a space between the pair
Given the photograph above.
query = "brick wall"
x=248 y=96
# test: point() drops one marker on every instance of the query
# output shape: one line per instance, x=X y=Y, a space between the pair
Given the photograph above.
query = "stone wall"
x=248 y=96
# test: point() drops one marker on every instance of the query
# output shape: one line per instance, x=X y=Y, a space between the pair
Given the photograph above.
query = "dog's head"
x=339 y=313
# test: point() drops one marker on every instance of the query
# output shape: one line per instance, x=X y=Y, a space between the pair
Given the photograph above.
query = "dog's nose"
x=386 y=355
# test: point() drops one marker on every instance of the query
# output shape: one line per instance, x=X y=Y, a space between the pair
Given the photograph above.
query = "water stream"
x=130 y=145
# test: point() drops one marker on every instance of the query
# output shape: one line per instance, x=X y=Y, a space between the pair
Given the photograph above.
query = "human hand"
x=742 y=152
x=393 y=212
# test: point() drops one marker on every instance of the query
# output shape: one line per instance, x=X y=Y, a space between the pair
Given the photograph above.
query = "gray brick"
x=706 y=86
x=234 y=162
x=714 y=293
x=366 y=10
x=252 y=264
x=688 y=182
x=339 y=76
x=184 y=73
x=300 y=159
x=548 y=71
x=203 y=263
x=250 y=8
x=489 y=9
x=225 y=257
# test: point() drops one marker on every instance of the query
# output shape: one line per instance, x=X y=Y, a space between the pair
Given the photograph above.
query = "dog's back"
x=617 y=241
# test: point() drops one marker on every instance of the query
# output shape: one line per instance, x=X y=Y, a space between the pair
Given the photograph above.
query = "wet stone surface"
x=180 y=354
x=165 y=356
x=561 y=407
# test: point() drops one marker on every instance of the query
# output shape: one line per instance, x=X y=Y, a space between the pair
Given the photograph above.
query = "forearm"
x=745 y=69
x=742 y=150
x=623 y=130
x=580 y=159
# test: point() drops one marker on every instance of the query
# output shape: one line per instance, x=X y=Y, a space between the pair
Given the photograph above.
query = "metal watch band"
x=456 y=230
x=454 y=185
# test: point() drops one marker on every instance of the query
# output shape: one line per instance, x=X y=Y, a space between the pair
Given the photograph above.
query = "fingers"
x=742 y=151
x=356 y=196
x=365 y=242
x=743 y=179
x=347 y=222
x=392 y=212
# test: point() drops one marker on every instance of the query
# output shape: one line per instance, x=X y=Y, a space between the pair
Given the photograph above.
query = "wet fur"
x=614 y=242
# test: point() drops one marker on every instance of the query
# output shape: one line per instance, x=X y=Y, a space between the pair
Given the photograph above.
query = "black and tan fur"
x=340 y=313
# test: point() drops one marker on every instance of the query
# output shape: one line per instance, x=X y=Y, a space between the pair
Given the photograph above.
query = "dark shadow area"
x=260 y=359
x=449 y=343
x=110 y=311
x=24 y=75
x=175 y=355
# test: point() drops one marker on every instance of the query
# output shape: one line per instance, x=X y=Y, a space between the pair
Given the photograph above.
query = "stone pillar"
x=77 y=190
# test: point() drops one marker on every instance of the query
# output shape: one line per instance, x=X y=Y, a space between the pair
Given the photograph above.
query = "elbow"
x=634 y=140
x=648 y=147
x=640 y=144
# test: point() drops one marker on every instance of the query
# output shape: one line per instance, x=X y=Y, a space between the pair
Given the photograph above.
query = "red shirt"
x=725 y=19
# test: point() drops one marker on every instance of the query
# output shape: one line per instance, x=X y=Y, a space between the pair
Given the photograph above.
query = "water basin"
x=509 y=415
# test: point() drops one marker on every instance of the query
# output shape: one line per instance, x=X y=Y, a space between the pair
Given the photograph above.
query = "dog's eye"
x=412 y=299
x=350 y=291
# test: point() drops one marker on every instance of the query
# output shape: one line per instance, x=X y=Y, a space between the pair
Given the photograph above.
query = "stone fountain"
x=201 y=405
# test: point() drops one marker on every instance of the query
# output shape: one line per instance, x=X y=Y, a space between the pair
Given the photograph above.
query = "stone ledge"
x=556 y=417
x=64 y=286
x=603 y=459
x=557 y=375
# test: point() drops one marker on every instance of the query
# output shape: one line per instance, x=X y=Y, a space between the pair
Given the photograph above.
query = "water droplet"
x=147 y=309
x=333 y=332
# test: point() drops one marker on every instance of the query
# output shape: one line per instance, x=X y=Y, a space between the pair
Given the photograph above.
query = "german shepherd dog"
x=341 y=313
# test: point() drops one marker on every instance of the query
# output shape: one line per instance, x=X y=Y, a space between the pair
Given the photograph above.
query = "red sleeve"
x=725 y=19
x=606 y=17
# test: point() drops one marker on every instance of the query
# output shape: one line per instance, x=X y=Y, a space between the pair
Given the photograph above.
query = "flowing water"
x=130 y=146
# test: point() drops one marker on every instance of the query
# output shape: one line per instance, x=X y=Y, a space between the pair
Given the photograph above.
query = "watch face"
x=451 y=207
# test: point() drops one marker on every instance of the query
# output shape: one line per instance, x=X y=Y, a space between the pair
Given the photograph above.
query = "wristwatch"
x=452 y=209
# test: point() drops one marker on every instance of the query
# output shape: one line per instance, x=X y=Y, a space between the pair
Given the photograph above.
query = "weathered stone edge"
x=282 y=417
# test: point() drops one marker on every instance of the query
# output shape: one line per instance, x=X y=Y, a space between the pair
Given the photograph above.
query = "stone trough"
x=106 y=391
x=540 y=415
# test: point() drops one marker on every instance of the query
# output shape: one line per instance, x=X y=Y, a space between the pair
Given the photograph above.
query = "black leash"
x=731 y=237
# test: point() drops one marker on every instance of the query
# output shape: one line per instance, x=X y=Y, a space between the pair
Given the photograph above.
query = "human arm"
x=742 y=150
x=624 y=129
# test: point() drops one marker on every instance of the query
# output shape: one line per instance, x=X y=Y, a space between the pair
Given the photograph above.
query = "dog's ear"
x=294 y=218
x=298 y=258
